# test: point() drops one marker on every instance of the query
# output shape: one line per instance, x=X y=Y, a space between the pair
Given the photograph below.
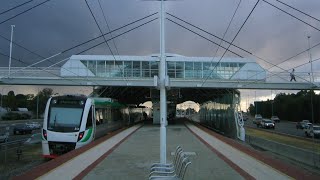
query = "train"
x=72 y=121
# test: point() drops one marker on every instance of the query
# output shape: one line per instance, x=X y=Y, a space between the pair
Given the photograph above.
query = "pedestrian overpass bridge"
x=142 y=71
x=211 y=83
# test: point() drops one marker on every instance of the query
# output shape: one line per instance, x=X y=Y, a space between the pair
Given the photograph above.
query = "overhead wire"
x=15 y=7
x=202 y=36
x=114 y=44
x=298 y=10
x=95 y=20
x=291 y=15
x=232 y=41
x=24 y=11
x=224 y=34
x=62 y=52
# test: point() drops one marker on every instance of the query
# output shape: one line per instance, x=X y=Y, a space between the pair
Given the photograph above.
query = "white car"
x=275 y=119
x=34 y=125
x=312 y=131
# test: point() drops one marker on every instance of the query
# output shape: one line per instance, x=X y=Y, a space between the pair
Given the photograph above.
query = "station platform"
x=129 y=153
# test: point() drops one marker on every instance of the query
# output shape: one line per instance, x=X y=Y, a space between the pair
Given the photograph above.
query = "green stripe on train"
x=87 y=136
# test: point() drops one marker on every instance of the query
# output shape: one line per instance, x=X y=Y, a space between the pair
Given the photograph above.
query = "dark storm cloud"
x=60 y=24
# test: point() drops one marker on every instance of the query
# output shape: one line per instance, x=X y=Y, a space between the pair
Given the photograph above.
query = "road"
x=12 y=124
x=285 y=127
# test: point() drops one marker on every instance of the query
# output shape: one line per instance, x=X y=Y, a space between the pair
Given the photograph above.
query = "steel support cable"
x=25 y=63
x=277 y=65
x=80 y=43
x=276 y=73
x=15 y=7
x=24 y=11
x=87 y=48
x=222 y=39
x=209 y=32
x=202 y=36
x=119 y=35
x=106 y=21
x=298 y=10
x=104 y=38
x=273 y=65
x=104 y=42
x=232 y=41
x=109 y=32
x=290 y=14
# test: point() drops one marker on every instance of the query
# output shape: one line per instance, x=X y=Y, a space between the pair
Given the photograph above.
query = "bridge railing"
x=299 y=76
x=44 y=72
x=30 y=72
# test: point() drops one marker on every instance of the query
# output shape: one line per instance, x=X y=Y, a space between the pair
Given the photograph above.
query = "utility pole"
x=310 y=60
x=12 y=26
x=162 y=83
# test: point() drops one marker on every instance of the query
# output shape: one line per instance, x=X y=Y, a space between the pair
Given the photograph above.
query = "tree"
x=41 y=100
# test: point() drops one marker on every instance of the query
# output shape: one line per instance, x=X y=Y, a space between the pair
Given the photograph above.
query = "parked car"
x=312 y=131
x=275 y=119
x=34 y=139
x=4 y=138
x=303 y=124
x=266 y=123
x=257 y=119
x=22 y=129
x=34 y=125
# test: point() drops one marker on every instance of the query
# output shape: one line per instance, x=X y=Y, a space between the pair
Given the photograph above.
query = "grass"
x=31 y=156
x=300 y=143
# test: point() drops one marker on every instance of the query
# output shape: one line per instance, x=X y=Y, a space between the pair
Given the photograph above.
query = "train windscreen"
x=65 y=115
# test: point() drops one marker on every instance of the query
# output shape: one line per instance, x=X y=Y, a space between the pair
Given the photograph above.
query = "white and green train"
x=72 y=121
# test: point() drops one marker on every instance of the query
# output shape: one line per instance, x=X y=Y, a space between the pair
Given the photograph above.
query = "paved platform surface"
x=132 y=158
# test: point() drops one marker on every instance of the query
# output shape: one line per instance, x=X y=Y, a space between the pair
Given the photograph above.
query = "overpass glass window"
x=119 y=69
x=197 y=70
x=189 y=69
x=179 y=69
x=136 y=68
x=128 y=68
x=154 y=68
x=145 y=69
x=101 y=69
x=171 y=69
x=92 y=66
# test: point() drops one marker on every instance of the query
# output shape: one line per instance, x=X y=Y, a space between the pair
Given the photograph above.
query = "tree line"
x=291 y=107
x=13 y=102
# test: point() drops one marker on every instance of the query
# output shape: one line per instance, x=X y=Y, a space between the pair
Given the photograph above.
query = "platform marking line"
x=254 y=167
x=76 y=165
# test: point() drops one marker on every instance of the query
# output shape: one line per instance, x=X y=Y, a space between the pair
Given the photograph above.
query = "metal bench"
x=177 y=172
x=158 y=166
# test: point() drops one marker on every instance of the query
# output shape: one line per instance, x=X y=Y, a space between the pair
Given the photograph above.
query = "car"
x=4 y=138
x=34 y=125
x=275 y=119
x=34 y=139
x=303 y=124
x=22 y=129
x=312 y=131
x=257 y=119
x=266 y=123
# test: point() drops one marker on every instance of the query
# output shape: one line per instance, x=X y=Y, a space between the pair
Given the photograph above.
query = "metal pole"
x=38 y=104
x=310 y=60
x=163 y=97
x=12 y=26
x=255 y=98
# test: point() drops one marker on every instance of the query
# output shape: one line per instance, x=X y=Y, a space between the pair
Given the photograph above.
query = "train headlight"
x=44 y=133
x=80 y=135
x=81 y=103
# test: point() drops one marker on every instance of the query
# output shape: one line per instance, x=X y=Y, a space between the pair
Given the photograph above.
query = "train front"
x=64 y=125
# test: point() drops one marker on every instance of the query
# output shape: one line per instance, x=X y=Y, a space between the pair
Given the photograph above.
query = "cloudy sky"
x=60 y=24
